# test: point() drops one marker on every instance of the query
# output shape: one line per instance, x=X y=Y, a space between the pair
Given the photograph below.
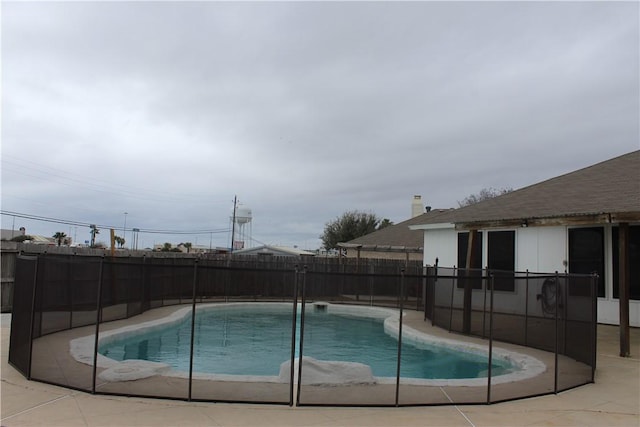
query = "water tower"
x=241 y=236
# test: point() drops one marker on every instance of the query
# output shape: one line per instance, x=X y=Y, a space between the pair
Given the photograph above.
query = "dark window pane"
x=501 y=256
x=586 y=253
x=463 y=243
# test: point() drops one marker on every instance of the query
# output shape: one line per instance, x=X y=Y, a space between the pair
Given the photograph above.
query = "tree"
x=119 y=240
x=484 y=194
x=59 y=236
x=166 y=247
x=188 y=245
x=349 y=226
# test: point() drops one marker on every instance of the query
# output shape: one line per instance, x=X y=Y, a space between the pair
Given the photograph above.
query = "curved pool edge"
x=82 y=348
x=528 y=366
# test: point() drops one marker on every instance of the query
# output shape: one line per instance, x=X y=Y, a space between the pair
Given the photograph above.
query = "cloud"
x=166 y=110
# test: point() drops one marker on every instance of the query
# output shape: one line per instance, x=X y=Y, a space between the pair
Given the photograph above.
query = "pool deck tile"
x=614 y=400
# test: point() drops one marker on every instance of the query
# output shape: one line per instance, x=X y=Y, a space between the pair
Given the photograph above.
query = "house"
x=35 y=239
x=10 y=234
x=581 y=222
x=268 y=250
x=196 y=249
x=396 y=241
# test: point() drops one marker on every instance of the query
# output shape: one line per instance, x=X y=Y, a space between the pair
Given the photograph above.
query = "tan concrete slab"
x=60 y=412
x=612 y=401
x=152 y=415
x=266 y=416
x=105 y=406
x=16 y=399
x=594 y=419
x=413 y=416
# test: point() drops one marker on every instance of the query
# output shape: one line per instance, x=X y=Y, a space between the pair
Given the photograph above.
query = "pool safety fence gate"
x=65 y=308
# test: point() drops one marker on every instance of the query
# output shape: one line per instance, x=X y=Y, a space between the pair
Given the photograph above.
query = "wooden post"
x=468 y=283
x=625 y=287
x=113 y=243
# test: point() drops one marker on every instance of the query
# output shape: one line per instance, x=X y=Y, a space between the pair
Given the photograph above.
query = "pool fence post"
x=400 y=336
x=555 y=375
x=98 y=319
x=594 y=323
x=526 y=308
x=193 y=324
x=370 y=273
x=293 y=334
x=433 y=294
x=565 y=312
x=227 y=274
x=69 y=281
x=490 y=361
x=425 y=274
x=146 y=290
x=42 y=265
x=484 y=304
x=420 y=297
x=453 y=286
x=302 y=320
x=33 y=317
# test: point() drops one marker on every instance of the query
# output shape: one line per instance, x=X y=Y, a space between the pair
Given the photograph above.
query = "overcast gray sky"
x=166 y=110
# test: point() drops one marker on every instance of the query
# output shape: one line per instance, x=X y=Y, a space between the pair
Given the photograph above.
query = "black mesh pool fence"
x=67 y=307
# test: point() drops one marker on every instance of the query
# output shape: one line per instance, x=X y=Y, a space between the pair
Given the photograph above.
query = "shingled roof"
x=605 y=192
x=398 y=237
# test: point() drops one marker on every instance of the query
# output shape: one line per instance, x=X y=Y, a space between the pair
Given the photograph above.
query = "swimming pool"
x=253 y=340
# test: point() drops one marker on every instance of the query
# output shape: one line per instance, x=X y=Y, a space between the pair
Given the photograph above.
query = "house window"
x=586 y=253
x=634 y=262
x=463 y=243
x=501 y=259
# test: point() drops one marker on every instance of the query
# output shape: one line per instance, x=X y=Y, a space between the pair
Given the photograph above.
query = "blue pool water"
x=256 y=341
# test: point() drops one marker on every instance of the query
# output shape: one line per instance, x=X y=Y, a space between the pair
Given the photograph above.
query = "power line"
x=86 y=224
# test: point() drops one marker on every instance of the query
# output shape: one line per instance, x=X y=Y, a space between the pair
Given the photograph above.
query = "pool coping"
x=82 y=348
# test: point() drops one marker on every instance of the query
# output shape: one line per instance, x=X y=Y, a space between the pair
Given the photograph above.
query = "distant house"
x=35 y=239
x=268 y=250
x=580 y=222
x=10 y=234
x=396 y=241
x=195 y=249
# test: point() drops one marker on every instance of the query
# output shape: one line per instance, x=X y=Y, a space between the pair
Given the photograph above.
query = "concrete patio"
x=614 y=400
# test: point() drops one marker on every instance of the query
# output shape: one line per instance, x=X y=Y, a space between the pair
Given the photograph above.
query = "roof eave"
x=560 y=220
x=381 y=248
x=436 y=226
